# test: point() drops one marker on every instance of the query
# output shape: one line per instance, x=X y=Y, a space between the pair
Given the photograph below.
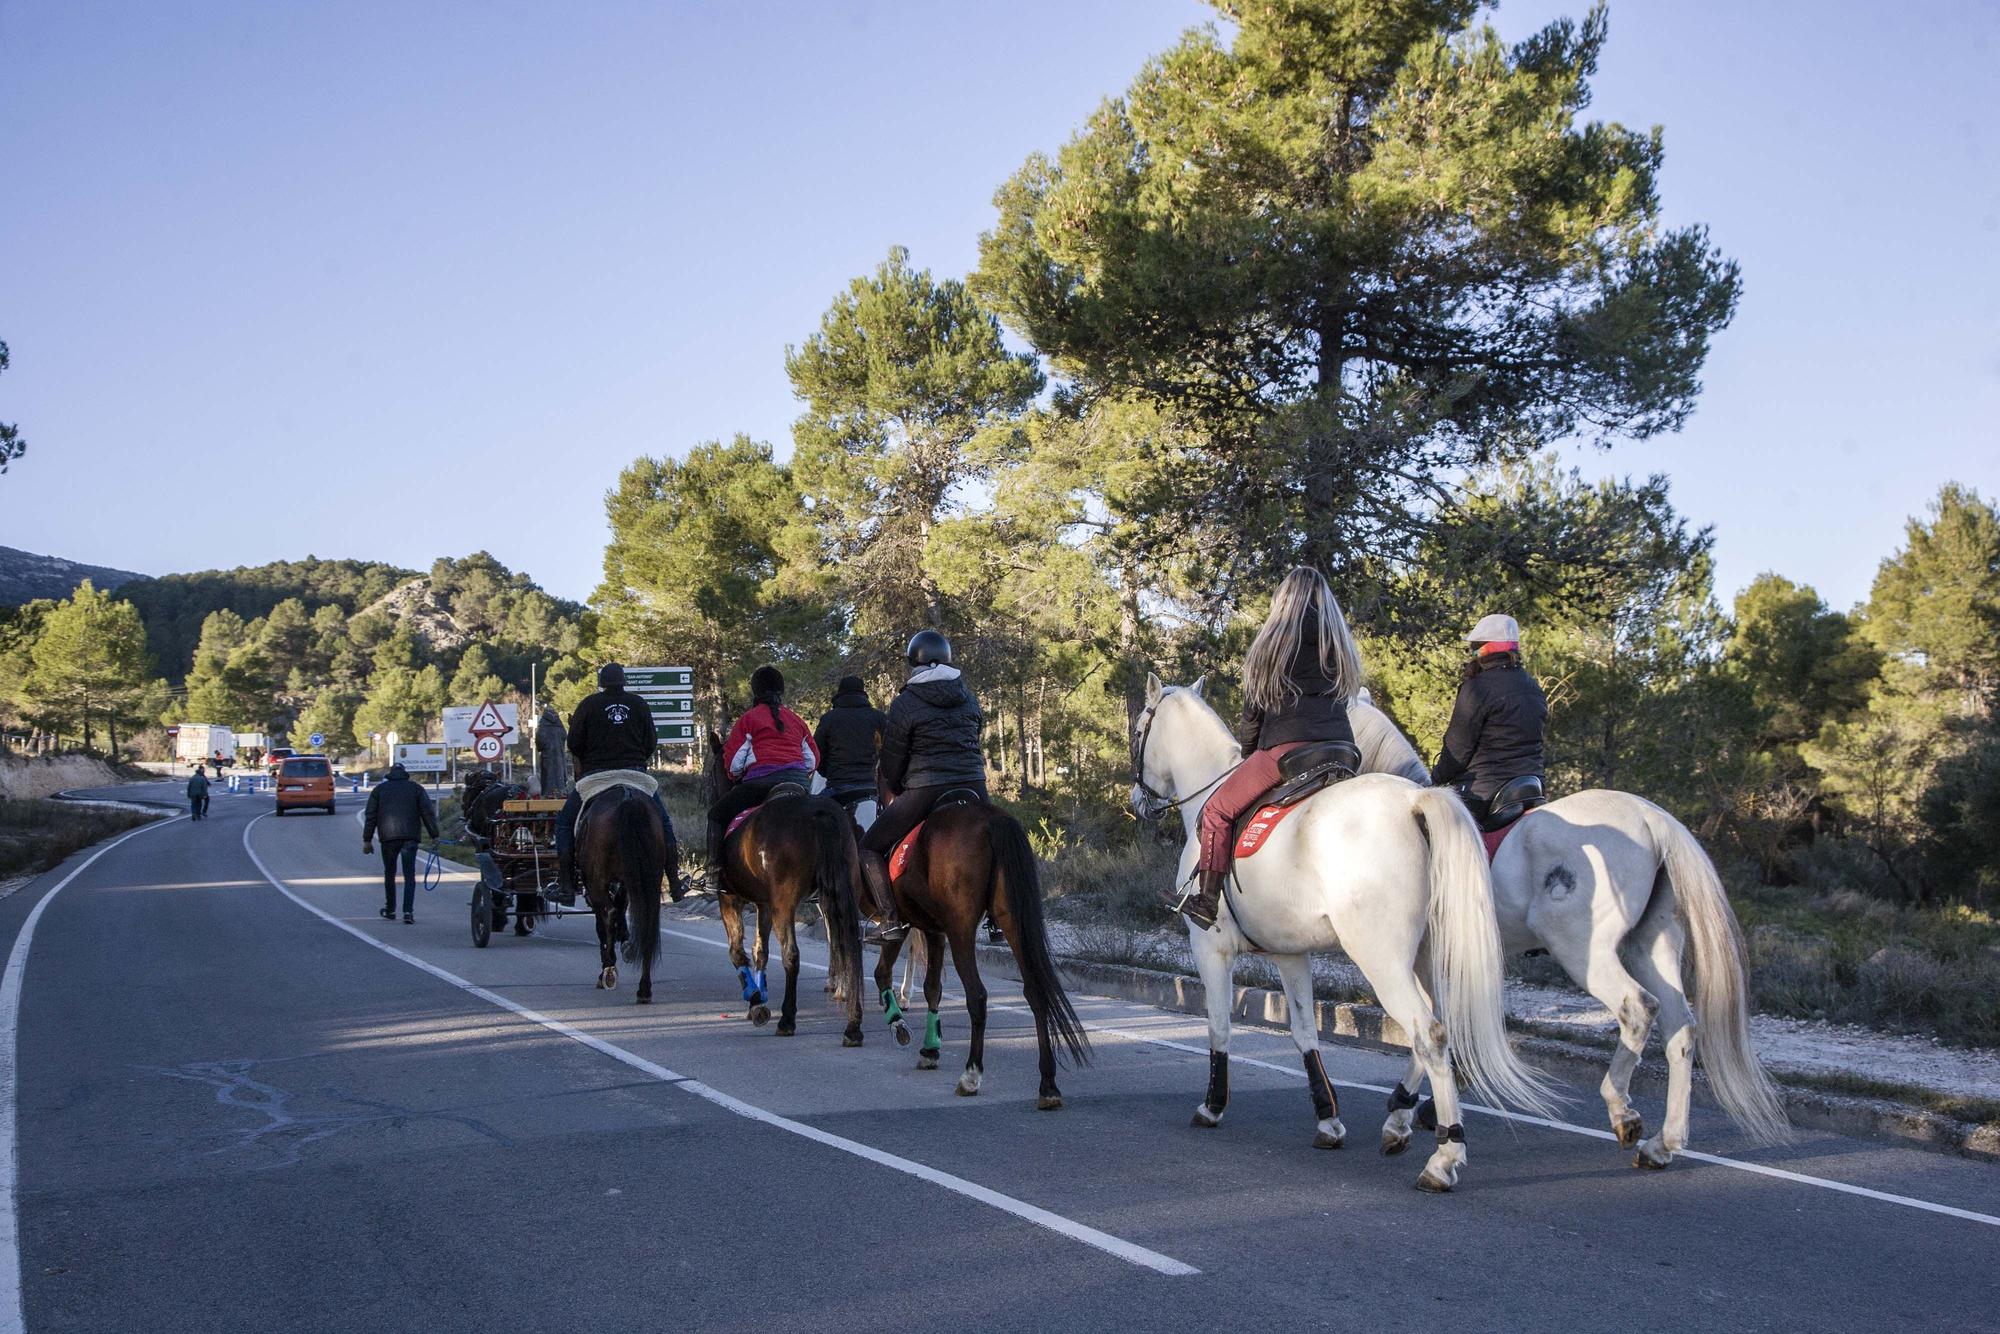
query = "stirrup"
x=1190 y=895
x=880 y=934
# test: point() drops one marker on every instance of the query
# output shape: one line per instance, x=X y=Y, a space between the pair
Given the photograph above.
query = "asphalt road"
x=234 y=1114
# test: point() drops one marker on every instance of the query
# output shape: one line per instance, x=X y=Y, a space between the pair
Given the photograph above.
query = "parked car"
x=276 y=755
x=305 y=780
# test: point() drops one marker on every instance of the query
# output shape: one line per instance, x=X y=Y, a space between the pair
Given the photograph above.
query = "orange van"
x=305 y=780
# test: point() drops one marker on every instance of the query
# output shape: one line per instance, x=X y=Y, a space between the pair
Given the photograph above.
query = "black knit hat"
x=767 y=682
x=850 y=685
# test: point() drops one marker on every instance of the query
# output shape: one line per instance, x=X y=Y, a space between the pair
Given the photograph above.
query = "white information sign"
x=458 y=724
x=423 y=757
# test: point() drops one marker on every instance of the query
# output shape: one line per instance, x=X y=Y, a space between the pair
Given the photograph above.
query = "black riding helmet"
x=611 y=676
x=767 y=683
x=928 y=648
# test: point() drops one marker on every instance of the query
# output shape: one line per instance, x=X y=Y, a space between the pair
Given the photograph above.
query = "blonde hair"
x=1267 y=682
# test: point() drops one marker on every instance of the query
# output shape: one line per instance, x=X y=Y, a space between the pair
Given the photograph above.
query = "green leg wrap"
x=933 y=1032
x=891 y=1011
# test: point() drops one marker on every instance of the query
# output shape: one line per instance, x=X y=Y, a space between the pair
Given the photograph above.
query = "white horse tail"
x=1721 y=988
x=1465 y=958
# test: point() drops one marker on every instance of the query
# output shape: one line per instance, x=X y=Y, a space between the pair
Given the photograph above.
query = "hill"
x=25 y=576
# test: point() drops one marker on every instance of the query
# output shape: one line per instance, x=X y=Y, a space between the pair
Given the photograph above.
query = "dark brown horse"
x=791 y=848
x=970 y=860
x=621 y=849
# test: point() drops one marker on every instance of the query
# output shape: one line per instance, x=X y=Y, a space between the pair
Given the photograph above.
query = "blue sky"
x=388 y=280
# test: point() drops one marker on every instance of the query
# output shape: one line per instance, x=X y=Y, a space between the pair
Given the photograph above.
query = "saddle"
x=785 y=787
x=1301 y=773
x=1516 y=797
x=958 y=796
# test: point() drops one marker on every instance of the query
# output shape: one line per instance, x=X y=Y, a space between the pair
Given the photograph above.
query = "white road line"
x=10 y=1088
x=1546 y=1123
x=1130 y=1252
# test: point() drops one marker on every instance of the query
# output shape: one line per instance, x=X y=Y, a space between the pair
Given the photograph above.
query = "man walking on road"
x=401 y=812
x=197 y=791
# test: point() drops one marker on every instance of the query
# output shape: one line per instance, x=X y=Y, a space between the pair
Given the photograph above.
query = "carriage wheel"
x=482 y=915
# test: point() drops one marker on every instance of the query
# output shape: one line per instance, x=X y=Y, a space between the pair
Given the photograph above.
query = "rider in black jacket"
x=612 y=729
x=930 y=746
x=849 y=737
x=1497 y=723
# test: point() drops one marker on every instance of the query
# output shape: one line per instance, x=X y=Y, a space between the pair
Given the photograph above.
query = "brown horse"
x=621 y=849
x=969 y=860
x=791 y=848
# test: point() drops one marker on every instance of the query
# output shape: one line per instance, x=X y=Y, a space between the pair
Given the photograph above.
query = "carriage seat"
x=1301 y=773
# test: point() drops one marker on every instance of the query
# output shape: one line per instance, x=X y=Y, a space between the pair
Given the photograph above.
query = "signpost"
x=489 y=732
x=316 y=740
x=669 y=694
x=421 y=758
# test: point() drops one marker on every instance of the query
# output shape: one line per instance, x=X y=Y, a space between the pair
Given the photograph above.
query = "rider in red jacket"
x=769 y=746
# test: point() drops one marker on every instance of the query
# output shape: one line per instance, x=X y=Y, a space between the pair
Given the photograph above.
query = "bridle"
x=1161 y=802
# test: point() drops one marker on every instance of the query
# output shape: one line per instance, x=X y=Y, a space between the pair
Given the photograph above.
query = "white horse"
x=1615 y=888
x=1389 y=871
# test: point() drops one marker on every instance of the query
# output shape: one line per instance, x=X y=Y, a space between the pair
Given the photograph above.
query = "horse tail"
x=1465 y=953
x=1721 y=985
x=833 y=881
x=1014 y=865
x=640 y=868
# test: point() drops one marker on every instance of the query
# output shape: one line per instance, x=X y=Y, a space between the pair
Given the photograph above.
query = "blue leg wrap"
x=753 y=982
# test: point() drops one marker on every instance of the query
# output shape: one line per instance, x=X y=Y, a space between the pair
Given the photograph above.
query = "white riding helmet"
x=1495 y=629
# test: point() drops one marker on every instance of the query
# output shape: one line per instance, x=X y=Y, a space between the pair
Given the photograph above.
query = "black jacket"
x=1495 y=732
x=849 y=737
x=932 y=735
x=612 y=729
x=398 y=809
x=1317 y=713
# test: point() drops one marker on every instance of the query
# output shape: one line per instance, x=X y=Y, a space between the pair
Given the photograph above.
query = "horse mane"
x=1384 y=748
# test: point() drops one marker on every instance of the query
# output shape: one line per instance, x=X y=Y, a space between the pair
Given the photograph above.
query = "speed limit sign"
x=487 y=748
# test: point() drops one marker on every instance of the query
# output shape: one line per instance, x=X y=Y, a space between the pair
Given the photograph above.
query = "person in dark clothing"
x=1498 y=721
x=612 y=729
x=849 y=737
x=930 y=746
x=767 y=748
x=1301 y=671
x=400 y=812
x=197 y=793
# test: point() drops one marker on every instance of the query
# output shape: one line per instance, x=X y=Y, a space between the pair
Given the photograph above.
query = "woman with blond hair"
x=1300 y=674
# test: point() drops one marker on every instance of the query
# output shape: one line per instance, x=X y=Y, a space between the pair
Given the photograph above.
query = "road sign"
x=421 y=758
x=669 y=696
x=316 y=740
x=487 y=747
x=678 y=680
x=675 y=734
x=458 y=724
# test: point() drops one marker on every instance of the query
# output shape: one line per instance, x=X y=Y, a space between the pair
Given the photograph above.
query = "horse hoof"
x=643 y=998
x=785 y=1029
x=1433 y=1184
x=1322 y=1140
x=1652 y=1159
x=1204 y=1119
x=903 y=1035
x=1049 y=1102
x=1393 y=1144
x=760 y=1015
x=1631 y=1128
x=600 y=981
x=630 y=953
x=927 y=1060
x=850 y=1039
x=968 y=1084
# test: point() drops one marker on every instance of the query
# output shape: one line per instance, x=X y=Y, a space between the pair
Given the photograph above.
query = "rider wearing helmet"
x=930 y=746
x=1495 y=733
x=612 y=729
x=770 y=746
x=1301 y=671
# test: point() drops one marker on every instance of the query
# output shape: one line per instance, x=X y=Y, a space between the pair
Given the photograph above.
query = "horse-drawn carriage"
x=517 y=870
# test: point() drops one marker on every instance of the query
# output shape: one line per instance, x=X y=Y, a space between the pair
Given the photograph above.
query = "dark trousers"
x=405 y=848
x=566 y=824
x=906 y=812
x=740 y=798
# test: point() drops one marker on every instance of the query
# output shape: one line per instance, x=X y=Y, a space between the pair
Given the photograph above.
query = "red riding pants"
x=1233 y=797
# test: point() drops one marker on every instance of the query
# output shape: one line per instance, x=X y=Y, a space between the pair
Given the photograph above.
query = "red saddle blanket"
x=901 y=856
x=736 y=823
x=1254 y=832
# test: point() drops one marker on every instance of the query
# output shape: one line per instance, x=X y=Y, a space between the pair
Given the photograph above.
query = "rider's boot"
x=566 y=869
x=1201 y=906
x=889 y=926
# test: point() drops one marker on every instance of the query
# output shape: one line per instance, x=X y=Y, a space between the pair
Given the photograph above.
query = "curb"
x=1348 y=1021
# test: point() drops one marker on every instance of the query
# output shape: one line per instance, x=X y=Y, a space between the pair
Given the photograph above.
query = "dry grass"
x=36 y=835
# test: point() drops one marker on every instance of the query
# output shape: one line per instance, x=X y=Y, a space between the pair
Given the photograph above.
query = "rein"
x=1167 y=801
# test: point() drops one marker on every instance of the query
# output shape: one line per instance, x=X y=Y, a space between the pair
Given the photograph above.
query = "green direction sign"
x=668 y=707
x=676 y=734
x=660 y=680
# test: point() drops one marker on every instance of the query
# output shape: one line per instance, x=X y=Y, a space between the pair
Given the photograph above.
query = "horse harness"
x=1165 y=801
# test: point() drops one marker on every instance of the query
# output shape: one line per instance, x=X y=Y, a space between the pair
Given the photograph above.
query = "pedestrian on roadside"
x=401 y=812
x=197 y=791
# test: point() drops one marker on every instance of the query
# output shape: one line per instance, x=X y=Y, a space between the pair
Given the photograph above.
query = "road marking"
x=1129 y=1252
x=10 y=1087
x=1590 y=1132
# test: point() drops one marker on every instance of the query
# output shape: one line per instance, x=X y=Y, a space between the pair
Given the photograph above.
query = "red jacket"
x=758 y=747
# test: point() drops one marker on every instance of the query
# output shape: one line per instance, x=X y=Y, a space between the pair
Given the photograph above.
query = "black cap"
x=850 y=685
x=928 y=647
x=610 y=677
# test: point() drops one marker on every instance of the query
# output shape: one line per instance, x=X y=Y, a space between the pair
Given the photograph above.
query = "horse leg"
x=1656 y=959
x=1295 y=973
x=607 y=975
x=788 y=951
x=1588 y=952
x=1392 y=973
x=919 y=955
x=885 y=976
x=754 y=985
x=933 y=943
x=965 y=958
x=1403 y=1108
x=1217 y=966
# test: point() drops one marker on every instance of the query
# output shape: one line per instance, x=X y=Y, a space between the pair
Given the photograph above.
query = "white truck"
x=205 y=743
